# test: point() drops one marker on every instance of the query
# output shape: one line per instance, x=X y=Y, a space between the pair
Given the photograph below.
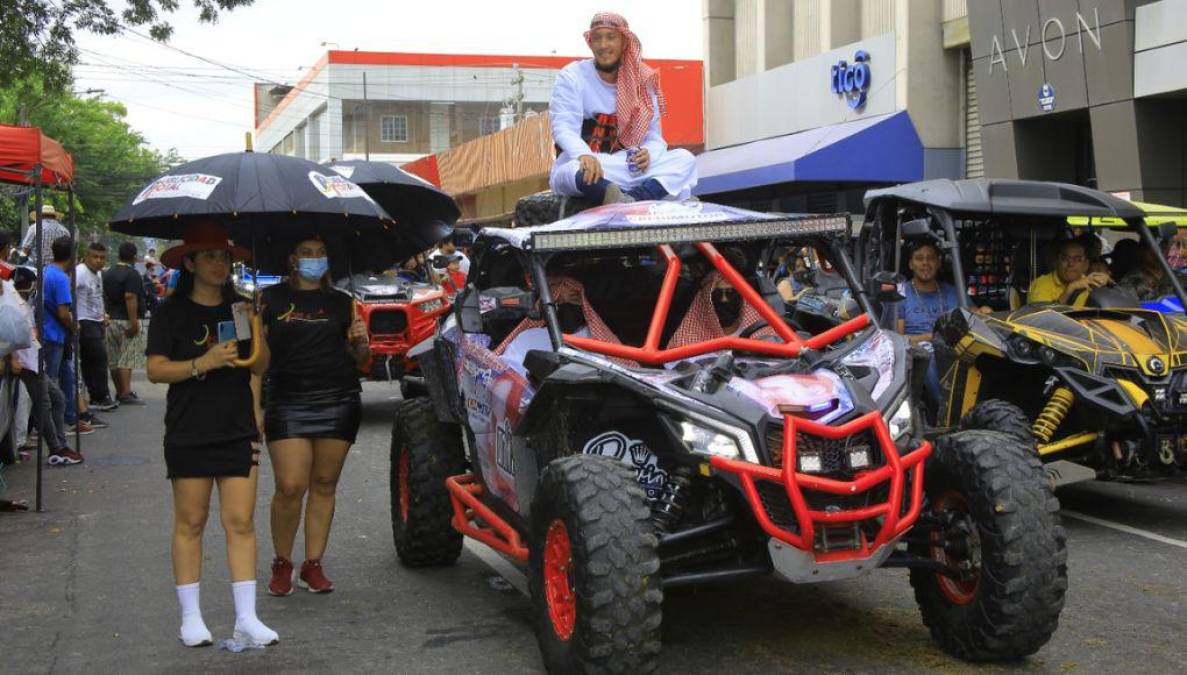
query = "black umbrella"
x=267 y=201
x=411 y=200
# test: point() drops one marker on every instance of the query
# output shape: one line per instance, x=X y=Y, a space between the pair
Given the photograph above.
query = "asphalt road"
x=86 y=586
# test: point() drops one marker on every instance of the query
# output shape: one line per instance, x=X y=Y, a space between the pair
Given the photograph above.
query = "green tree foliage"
x=37 y=36
x=111 y=160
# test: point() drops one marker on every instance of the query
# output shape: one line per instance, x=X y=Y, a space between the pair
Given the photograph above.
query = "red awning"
x=23 y=147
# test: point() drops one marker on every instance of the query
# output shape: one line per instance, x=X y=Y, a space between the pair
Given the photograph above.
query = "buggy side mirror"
x=468 y=309
x=883 y=287
x=1167 y=231
x=919 y=228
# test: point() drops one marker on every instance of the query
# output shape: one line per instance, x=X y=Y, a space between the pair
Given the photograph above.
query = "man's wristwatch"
x=194 y=372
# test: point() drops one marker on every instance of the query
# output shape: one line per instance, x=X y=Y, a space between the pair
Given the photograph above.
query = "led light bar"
x=654 y=236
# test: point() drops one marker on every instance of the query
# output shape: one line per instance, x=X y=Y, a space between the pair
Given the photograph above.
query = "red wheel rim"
x=558 y=584
x=957 y=591
x=404 y=499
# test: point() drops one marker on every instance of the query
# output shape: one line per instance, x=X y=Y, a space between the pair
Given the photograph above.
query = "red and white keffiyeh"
x=635 y=78
x=700 y=322
x=557 y=286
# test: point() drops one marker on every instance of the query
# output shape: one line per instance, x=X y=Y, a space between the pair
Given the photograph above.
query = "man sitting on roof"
x=605 y=121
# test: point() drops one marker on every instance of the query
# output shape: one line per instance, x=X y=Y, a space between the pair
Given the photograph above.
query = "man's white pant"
x=676 y=170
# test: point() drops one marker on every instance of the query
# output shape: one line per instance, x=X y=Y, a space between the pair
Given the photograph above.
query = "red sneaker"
x=282 y=577
x=313 y=578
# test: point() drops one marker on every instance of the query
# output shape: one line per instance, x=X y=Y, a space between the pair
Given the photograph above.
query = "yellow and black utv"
x=1100 y=387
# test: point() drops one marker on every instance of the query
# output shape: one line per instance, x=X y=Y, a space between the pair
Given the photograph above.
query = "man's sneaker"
x=81 y=427
x=67 y=457
x=282 y=577
x=130 y=398
x=94 y=420
x=106 y=405
x=55 y=458
x=313 y=578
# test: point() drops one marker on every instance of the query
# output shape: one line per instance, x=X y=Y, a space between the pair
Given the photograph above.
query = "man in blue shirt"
x=57 y=326
x=926 y=299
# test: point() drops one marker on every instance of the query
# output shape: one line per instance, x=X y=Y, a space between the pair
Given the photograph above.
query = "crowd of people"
x=107 y=320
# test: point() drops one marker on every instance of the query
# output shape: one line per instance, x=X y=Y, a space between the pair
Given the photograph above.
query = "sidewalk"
x=87 y=585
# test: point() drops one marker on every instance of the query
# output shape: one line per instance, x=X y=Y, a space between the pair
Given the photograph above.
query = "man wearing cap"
x=51 y=231
x=605 y=115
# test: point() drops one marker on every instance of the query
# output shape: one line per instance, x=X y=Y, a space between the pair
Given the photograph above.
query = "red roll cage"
x=651 y=353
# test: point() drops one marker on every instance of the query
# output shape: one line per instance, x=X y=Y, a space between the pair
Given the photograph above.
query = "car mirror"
x=468 y=309
x=1167 y=231
x=919 y=228
x=883 y=287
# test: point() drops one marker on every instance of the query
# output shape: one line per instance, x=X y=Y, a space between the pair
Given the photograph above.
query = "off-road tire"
x=614 y=569
x=1015 y=605
x=545 y=207
x=433 y=452
x=998 y=415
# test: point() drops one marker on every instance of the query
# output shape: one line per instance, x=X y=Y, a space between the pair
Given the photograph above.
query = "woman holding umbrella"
x=312 y=407
x=211 y=437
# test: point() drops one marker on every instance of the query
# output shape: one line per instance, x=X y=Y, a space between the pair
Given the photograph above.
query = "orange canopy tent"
x=25 y=149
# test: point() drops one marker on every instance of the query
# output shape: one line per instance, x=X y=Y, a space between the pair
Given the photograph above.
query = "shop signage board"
x=1047 y=97
x=852 y=80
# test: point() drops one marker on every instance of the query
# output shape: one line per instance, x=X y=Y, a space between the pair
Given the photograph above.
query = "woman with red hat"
x=211 y=437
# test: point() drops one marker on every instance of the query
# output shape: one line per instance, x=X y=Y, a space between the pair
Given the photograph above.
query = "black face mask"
x=570 y=317
x=727 y=304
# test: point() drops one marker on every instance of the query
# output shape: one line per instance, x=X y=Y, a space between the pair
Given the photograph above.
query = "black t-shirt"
x=117 y=281
x=211 y=411
x=307 y=335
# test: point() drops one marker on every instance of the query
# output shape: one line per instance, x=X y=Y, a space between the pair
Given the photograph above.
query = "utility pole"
x=367 y=134
x=517 y=97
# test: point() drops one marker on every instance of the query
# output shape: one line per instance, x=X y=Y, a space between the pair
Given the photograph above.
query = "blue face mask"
x=312 y=269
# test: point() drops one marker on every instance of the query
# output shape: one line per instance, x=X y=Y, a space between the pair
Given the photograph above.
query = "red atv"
x=398 y=313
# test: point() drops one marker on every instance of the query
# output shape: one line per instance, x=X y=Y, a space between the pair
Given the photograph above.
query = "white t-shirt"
x=532 y=338
x=27 y=357
x=90 y=294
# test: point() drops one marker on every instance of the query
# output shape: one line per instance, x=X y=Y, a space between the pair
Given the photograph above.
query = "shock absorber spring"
x=669 y=507
x=1053 y=413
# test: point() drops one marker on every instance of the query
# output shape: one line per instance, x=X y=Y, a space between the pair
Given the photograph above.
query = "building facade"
x=1092 y=92
x=398 y=107
x=809 y=103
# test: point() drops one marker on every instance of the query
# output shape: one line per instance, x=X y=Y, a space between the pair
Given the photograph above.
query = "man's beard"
x=613 y=67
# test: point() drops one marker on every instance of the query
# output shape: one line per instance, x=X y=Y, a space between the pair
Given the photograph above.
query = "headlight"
x=899 y=421
x=431 y=305
x=708 y=441
x=249 y=286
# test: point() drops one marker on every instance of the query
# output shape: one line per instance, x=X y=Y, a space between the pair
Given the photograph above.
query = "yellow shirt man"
x=1070 y=277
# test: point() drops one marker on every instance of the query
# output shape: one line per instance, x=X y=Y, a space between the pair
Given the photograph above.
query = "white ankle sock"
x=247 y=624
x=193 y=629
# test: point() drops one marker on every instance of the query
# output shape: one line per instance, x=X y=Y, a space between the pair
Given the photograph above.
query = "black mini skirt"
x=211 y=461
x=313 y=415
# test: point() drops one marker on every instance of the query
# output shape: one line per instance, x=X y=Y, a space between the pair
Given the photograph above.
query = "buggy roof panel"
x=652 y=223
x=1009 y=197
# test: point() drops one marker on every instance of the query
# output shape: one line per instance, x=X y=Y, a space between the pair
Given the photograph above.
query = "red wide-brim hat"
x=203 y=236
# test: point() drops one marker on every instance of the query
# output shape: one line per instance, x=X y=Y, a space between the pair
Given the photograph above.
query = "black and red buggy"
x=600 y=415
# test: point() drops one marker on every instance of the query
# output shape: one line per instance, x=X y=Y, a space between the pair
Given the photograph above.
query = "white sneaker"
x=253 y=632
x=195 y=634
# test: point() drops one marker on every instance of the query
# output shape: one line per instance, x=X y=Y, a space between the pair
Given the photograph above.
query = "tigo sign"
x=852 y=81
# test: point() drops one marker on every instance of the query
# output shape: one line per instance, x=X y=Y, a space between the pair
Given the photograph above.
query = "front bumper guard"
x=894 y=470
